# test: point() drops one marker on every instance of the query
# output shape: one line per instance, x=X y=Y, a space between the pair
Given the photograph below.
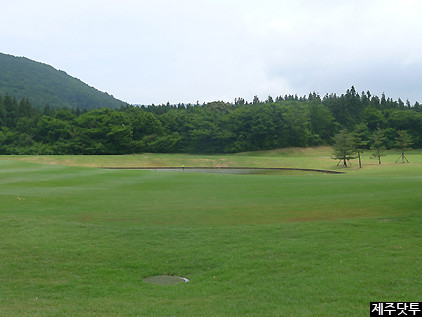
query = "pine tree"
x=344 y=147
x=403 y=143
x=378 y=146
x=10 y=111
x=269 y=100
x=361 y=132
x=2 y=111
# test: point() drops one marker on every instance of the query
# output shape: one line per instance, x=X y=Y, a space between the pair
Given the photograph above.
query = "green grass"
x=315 y=157
x=77 y=241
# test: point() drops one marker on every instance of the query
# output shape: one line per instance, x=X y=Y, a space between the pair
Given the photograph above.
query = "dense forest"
x=215 y=127
x=22 y=77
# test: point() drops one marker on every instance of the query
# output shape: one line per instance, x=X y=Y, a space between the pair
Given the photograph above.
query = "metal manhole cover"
x=165 y=279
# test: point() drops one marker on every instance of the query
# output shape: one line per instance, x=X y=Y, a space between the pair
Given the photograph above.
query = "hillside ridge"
x=43 y=85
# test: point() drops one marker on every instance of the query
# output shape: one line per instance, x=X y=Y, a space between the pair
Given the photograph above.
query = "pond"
x=233 y=170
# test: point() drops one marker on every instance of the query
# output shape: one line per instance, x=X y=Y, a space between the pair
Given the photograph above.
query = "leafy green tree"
x=373 y=118
x=8 y=139
x=322 y=122
x=378 y=146
x=409 y=120
x=251 y=128
x=403 y=143
x=344 y=147
x=219 y=107
x=297 y=122
x=204 y=133
x=361 y=138
x=119 y=139
x=144 y=123
x=50 y=130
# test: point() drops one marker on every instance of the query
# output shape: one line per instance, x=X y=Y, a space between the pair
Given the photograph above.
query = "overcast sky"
x=154 y=51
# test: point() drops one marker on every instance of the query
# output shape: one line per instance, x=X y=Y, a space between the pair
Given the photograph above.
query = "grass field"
x=78 y=241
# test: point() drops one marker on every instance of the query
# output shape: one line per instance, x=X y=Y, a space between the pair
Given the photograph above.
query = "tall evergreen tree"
x=25 y=109
x=2 y=111
x=10 y=111
x=269 y=100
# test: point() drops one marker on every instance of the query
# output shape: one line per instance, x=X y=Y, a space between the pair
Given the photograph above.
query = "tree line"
x=214 y=127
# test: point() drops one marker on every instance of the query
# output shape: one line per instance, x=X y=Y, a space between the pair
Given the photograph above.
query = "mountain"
x=42 y=84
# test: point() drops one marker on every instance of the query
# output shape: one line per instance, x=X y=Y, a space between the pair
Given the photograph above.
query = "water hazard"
x=231 y=170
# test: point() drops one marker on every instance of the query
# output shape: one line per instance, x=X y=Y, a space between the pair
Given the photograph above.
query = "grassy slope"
x=79 y=240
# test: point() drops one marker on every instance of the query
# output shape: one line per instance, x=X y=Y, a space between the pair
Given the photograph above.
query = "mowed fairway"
x=78 y=241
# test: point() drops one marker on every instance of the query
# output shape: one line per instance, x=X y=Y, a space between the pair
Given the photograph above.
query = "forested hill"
x=45 y=85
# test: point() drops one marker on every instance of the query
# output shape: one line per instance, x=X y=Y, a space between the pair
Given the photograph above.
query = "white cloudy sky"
x=154 y=51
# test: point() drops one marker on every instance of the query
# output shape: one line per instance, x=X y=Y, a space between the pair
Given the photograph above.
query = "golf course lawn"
x=78 y=240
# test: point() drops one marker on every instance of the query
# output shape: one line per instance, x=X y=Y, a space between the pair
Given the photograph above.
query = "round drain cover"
x=165 y=279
